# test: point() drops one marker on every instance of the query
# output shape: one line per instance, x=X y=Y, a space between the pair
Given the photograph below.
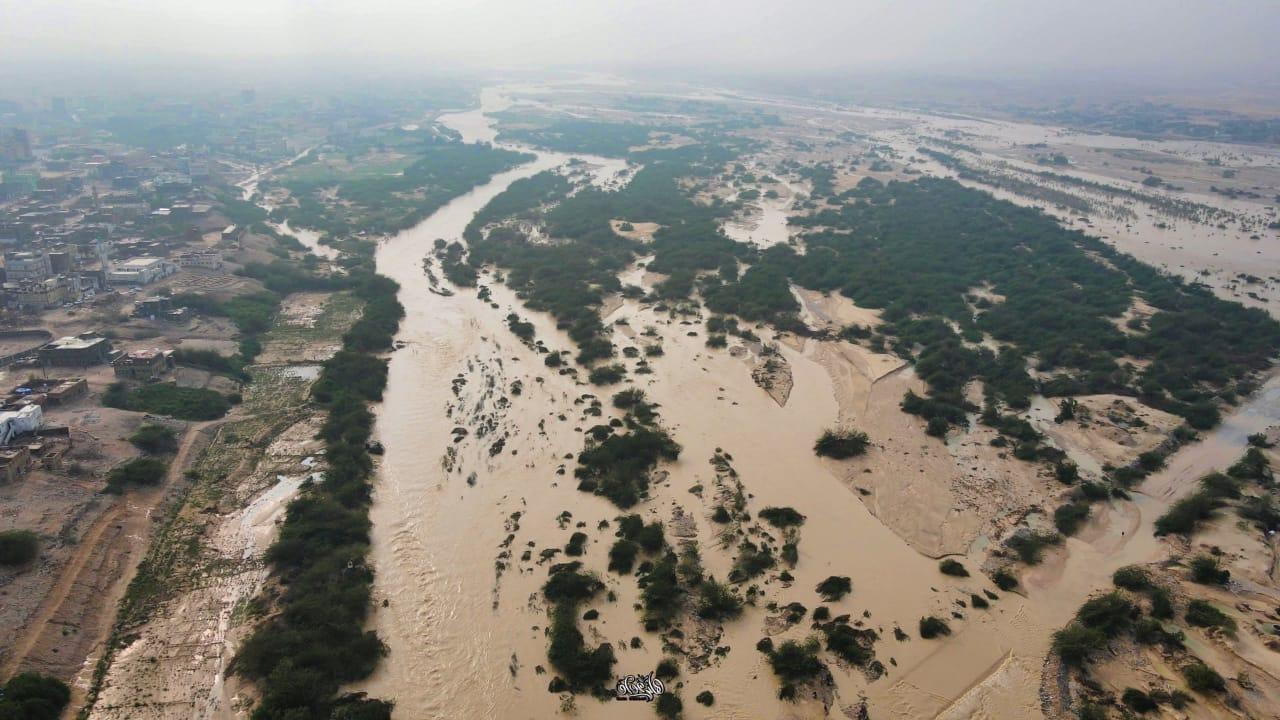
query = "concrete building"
x=20 y=422
x=43 y=294
x=208 y=259
x=141 y=271
x=26 y=266
x=143 y=364
x=14 y=463
x=152 y=307
x=77 y=351
x=232 y=233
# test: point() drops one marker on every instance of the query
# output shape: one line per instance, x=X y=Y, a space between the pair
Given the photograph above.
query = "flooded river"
x=463 y=617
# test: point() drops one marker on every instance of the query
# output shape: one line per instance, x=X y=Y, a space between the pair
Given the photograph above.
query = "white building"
x=142 y=271
x=17 y=422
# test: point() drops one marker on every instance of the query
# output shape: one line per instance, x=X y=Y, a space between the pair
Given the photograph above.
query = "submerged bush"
x=834 y=588
x=841 y=444
x=932 y=627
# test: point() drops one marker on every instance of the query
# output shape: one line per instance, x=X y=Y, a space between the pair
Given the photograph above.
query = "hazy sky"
x=242 y=37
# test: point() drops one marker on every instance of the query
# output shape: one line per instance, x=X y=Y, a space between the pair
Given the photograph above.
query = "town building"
x=24 y=266
x=143 y=364
x=43 y=294
x=14 y=463
x=152 y=307
x=20 y=422
x=208 y=259
x=77 y=351
x=141 y=271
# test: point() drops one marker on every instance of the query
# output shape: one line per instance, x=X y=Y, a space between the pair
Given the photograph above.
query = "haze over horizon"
x=84 y=43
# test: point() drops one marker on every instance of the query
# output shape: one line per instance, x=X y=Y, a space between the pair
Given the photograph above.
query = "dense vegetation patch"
x=581 y=669
x=165 y=399
x=618 y=467
x=139 y=471
x=18 y=547
x=154 y=439
x=1187 y=514
x=317 y=641
x=33 y=696
x=437 y=171
x=918 y=249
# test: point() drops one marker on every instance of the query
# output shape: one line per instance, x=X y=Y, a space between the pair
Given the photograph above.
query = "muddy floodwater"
x=476 y=472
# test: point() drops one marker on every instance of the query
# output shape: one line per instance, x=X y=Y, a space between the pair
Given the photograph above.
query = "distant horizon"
x=100 y=47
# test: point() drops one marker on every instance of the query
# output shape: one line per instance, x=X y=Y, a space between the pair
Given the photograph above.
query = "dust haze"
x=143 y=43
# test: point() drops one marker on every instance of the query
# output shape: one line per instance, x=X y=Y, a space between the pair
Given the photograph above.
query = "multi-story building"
x=26 y=266
x=141 y=271
x=42 y=294
x=77 y=351
x=210 y=259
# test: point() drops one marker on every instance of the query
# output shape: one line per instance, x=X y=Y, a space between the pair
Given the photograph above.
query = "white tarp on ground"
x=16 y=422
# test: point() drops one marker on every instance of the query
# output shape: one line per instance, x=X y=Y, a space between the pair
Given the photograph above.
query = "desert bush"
x=841 y=444
x=18 y=547
x=834 y=588
x=932 y=627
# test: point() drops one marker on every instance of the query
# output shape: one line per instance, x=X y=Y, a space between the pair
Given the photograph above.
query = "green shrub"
x=841 y=444
x=576 y=545
x=781 y=517
x=139 y=471
x=706 y=698
x=668 y=705
x=1206 y=571
x=796 y=662
x=717 y=602
x=165 y=399
x=1068 y=518
x=1201 y=613
x=1203 y=679
x=1150 y=631
x=18 y=547
x=834 y=588
x=1132 y=577
x=1004 y=579
x=618 y=468
x=953 y=567
x=1111 y=613
x=931 y=627
x=1138 y=701
x=978 y=602
x=607 y=375
x=33 y=696
x=853 y=645
x=1161 y=603
x=154 y=439
x=1075 y=643
x=622 y=556
x=1029 y=545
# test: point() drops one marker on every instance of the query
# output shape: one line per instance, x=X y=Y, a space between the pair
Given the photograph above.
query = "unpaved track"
x=126 y=527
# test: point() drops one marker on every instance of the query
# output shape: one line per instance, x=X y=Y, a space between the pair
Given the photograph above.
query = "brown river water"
x=466 y=637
